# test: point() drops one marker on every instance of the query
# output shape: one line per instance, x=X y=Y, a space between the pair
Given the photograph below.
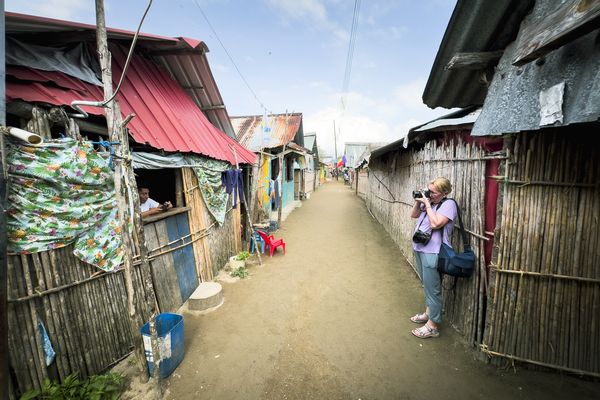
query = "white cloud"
x=370 y=119
x=313 y=13
x=301 y=9
x=60 y=9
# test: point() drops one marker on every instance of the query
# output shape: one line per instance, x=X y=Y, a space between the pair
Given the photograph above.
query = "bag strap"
x=465 y=237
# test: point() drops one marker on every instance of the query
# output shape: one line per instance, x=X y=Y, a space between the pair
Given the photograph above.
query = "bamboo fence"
x=544 y=304
x=393 y=177
x=83 y=311
x=212 y=250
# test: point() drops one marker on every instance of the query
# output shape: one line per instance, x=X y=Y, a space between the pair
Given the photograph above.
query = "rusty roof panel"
x=276 y=130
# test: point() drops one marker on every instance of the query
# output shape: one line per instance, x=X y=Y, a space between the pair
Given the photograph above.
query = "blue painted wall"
x=183 y=258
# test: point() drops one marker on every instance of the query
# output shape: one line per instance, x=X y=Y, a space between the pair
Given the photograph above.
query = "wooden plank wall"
x=544 y=303
x=87 y=322
x=363 y=183
x=393 y=177
x=214 y=244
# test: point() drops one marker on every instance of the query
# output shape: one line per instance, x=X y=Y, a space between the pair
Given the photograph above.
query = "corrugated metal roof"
x=277 y=130
x=475 y=26
x=414 y=134
x=184 y=58
x=297 y=148
x=166 y=118
x=309 y=141
x=441 y=124
x=513 y=100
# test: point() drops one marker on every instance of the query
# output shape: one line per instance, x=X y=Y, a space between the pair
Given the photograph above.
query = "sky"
x=292 y=54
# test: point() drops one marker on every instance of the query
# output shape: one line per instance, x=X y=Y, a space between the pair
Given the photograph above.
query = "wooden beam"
x=571 y=20
x=474 y=61
x=215 y=107
x=23 y=110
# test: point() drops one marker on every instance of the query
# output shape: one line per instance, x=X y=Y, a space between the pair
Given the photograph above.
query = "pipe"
x=28 y=137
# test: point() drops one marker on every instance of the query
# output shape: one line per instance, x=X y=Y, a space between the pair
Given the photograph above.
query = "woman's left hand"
x=424 y=200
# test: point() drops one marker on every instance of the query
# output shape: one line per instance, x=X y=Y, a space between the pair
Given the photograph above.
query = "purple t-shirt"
x=448 y=210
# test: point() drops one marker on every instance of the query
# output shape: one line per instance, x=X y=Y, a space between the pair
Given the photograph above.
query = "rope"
x=109 y=145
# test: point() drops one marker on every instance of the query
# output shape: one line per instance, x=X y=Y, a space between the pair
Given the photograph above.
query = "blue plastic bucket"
x=169 y=331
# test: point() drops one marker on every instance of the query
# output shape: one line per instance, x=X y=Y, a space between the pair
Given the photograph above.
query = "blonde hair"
x=442 y=184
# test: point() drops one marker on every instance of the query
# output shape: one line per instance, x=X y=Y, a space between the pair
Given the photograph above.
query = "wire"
x=231 y=59
x=350 y=55
x=76 y=104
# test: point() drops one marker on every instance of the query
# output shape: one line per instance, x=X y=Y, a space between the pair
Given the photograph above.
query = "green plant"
x=242 y=256
x=96 y=387
x=241 y=273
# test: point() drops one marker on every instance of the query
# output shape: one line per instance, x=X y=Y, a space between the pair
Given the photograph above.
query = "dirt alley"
x=330 y=320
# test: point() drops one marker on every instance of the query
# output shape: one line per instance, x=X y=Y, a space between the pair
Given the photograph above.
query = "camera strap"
x=437 y=208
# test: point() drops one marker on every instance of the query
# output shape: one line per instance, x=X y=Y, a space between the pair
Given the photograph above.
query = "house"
x=278 y=139
x=525 y=170
x=179 y=145
x=312 y=171
x=360 y=171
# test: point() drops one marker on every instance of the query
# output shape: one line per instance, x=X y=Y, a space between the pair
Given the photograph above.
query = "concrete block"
x=207 y=295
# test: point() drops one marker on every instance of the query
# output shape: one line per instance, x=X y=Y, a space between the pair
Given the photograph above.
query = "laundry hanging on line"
x=233 y=181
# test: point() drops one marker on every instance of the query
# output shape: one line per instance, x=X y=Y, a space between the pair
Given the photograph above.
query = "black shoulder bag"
x=459 y=265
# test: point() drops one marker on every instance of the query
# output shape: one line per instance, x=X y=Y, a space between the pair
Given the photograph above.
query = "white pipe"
x=28 y=137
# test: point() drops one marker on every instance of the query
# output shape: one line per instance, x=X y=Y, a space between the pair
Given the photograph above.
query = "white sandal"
x=425 y=332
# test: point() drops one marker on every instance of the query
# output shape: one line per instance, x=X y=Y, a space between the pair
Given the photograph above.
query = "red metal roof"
x=282 y=129
x=166 y=117
x=185 y=59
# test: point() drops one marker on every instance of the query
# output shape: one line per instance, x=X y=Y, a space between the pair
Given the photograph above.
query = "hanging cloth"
x=233 y=182
x=62 y=192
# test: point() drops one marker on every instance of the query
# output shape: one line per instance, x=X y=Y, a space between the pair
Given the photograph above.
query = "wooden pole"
x=3 y=260
x=281 y=157
x=253 y=236
x=335 y=160
x=123 y=174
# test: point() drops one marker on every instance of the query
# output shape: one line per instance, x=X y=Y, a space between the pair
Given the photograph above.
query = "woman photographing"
x=435 y=222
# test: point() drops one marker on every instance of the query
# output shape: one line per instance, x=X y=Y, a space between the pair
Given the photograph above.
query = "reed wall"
x=544 y=304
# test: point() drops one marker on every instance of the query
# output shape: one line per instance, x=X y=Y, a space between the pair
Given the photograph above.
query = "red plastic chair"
x=271 y=242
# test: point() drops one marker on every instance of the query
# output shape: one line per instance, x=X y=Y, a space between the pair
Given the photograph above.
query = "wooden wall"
x=544 y=305
x=213 y=244
x=83 y=310
x=172 y=259
x=362 y=181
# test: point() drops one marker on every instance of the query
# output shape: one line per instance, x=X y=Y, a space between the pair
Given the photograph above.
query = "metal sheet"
x=276 y=130
x=184 y=59
x=166 y=118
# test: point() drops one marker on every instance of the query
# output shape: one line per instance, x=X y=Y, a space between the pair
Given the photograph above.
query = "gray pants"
x=432 y=285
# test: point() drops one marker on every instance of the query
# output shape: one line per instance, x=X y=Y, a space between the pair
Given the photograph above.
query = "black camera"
x=417 y=194
x=165 y=206
x=421 y=237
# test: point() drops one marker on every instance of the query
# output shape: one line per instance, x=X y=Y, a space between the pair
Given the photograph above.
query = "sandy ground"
x=330 y=320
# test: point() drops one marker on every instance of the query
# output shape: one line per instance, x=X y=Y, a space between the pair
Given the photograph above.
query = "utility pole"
x=335 y=151
x=126 y=196
x=281 y=159
x=3 y=203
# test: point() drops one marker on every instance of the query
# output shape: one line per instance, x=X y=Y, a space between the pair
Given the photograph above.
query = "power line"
x=231 y=58
x=350 y=55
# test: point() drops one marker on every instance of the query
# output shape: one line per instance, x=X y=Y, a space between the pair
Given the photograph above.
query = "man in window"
x=150 y=207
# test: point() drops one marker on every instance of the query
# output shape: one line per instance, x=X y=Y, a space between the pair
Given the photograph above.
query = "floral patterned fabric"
x=62 y=192
x=208 y=172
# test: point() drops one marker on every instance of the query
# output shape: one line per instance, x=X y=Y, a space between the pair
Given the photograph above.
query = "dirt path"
x=329 y=320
